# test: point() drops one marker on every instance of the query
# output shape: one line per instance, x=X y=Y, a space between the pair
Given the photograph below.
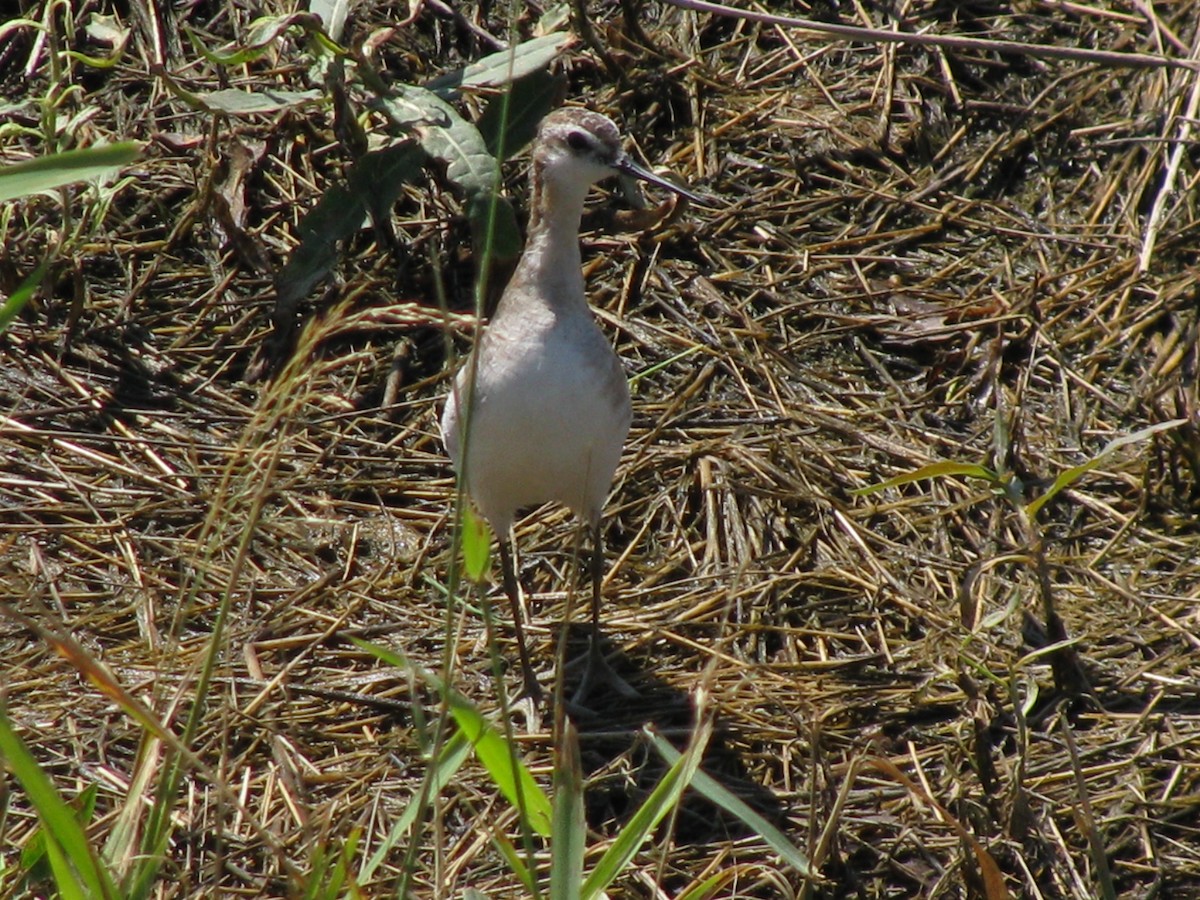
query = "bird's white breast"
x=550 y=415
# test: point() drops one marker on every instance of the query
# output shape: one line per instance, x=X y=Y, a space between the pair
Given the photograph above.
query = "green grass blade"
x=508 y=773
x=23 y=294
x=515 y=863
x=68 y=881
x=454 y=753
x=721 y=796
x=660 y=802
x=1073 y=474
x=940 y=469
x=77 y=869
x=476 y=544
x=569 y=826
x=709 y=886
x=57 y=169
x=515 y=782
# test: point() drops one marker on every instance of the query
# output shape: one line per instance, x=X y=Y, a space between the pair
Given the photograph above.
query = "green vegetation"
x=905 y=532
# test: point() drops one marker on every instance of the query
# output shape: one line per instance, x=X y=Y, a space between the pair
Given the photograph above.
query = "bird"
x=540 y=410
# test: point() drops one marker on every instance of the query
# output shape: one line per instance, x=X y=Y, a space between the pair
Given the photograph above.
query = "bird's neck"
x=551 y=264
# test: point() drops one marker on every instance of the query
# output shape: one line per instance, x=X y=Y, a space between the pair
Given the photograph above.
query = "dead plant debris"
x=923 y=254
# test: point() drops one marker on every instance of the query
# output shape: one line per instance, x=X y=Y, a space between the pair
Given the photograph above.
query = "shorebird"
x=540 y=411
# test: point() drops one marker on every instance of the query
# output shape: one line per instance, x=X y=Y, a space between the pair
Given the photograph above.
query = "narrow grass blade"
x=719 y=795
x=514 y=861
x=454 y=753
x=660 y=802
x=515 y=782
x=78 y=872
x=570 y=828
x=1073 y=474
x=933 y=470
x=710 y=885
x=23 y=294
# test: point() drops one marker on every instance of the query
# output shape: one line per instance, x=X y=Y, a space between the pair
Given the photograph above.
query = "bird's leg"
x=597 y=669
x=533 y=688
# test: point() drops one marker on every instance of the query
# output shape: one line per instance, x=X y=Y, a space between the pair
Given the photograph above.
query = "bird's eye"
x=578 y=142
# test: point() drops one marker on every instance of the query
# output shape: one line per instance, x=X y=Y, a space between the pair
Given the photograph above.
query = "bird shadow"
x=623 y=768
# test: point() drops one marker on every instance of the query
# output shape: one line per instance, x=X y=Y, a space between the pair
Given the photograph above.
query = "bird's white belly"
x=548 y=423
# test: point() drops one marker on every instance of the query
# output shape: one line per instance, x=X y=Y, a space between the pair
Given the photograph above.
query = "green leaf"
x=232 y=55
x=372 y=186
x=509 y=126
x=17 y=25
x=262 y=33
x=933 y=470
x=720 y=796
x=569 y=825
x=503 y=67
x=505 y=235
x=57 y=169
x=233 y=102
x=77 y=870
x=448 y=137
x=332 y=14
x=454 y=753
x=445 y=135
x=1070 y=476
x=508 y=773
x=22 y=295
x=661 y=801
x=476 y=544
x=515 y=863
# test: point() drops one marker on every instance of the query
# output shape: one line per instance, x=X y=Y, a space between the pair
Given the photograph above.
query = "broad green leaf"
x=933 y=470
x=476 y=544
x=508 y=125
x=1070 y=476
x=372 y=186
x=233 y=102
x=332 y=14
x=78 y=872
x=377 y=178
x=504 y=66
x=720 y=796
x=569 y=826
x=447 y=136
x=505 y=235
x=57 y=169
x=638 y=829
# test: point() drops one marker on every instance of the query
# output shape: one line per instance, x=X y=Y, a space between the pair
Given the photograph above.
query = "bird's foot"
x=529 y=702
x=598 y=672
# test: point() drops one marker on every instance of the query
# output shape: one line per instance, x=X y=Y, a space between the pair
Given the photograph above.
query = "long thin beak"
x=627 y=166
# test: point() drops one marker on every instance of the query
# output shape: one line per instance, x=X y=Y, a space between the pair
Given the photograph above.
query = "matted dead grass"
x=924 y=254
